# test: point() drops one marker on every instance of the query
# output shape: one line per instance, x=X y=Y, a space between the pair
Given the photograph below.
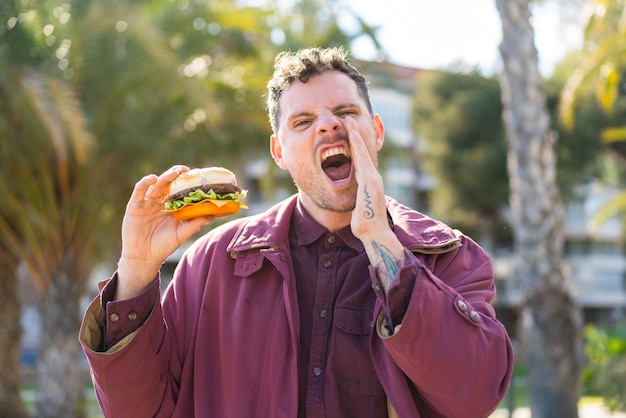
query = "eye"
x=347 y=112
x=301 y=123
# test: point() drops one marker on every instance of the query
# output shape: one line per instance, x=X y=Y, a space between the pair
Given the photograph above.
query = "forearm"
x=442 y=320
x=133 y=381
x=134 y=278
x=437 y=336
x=386 y=255
x=130 y=379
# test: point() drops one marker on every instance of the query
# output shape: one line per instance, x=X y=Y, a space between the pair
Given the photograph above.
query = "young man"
x=337 y=302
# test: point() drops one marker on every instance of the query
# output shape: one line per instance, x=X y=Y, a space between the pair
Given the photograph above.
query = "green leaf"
x=199 y=195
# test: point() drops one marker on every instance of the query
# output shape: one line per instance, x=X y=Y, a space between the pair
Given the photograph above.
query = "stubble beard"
x=338 y=202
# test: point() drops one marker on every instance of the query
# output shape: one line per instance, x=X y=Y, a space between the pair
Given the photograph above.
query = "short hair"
x=301 y=66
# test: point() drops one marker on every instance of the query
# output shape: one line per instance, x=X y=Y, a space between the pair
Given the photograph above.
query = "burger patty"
x=217 y=188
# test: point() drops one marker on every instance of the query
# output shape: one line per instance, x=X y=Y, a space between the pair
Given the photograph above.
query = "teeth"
x=335 y=151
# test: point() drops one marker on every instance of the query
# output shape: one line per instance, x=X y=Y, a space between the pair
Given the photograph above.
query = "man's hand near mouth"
x=369 y=218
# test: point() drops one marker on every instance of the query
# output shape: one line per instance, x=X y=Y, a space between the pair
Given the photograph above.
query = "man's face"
x=312 y=142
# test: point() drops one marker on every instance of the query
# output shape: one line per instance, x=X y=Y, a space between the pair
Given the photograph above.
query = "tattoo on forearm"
x=387 y=260
x=368 y=212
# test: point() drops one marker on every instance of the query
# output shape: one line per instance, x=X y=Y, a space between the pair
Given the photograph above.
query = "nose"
x=329 y=123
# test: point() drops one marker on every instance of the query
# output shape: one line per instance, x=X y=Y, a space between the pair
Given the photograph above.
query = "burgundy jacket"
x=224 y=340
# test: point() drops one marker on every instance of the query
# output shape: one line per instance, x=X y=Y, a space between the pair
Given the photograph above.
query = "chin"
x=339 y=204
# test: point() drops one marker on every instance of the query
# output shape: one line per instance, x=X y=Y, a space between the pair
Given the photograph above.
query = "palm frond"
x=46 y=147
x=613 y=135
x=34 y=85
x=75 y=123
x=614 y=207
x=605 y=49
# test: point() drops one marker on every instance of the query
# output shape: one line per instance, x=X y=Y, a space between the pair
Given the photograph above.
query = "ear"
x=379 y=130
x=277 y=151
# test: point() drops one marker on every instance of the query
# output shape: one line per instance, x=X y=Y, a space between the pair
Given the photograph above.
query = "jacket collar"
x=420 y=233
x=269 y=229
x=416 y=231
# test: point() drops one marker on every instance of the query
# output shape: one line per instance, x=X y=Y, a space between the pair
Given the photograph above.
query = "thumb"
x=190 y=227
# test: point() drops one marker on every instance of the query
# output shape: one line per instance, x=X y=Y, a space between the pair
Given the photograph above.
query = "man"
x=338 y=302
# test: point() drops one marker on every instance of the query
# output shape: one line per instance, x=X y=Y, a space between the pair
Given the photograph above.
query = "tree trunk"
x=551 y=325
x=11 y=405
x=60 y=370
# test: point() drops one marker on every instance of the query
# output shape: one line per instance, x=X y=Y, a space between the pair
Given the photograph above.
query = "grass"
x=516 y=398
x=29 y=396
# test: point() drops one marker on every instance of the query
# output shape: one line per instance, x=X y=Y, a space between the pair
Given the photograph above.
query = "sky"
x=433 y=34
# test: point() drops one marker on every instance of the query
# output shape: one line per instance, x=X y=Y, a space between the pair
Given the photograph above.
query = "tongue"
x=338 y=172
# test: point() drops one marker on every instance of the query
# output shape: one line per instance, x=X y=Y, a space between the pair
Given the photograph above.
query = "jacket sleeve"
x=456 y=355
x=131 y=378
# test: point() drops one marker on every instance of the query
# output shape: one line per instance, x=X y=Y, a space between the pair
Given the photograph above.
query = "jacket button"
x=328 y=264
x=331 y=239
x=474 y=316
x=323 y=313
x=317 y=371
x=114 y=317
x=132 y=316
x=462 y=305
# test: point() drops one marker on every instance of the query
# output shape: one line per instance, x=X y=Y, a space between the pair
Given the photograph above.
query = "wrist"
x=386 y=255
x=133 y=277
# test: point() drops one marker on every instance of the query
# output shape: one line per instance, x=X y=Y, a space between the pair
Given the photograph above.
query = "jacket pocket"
x=356 y=375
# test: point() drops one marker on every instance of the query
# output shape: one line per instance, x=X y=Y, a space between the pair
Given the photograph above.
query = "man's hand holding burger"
x=150 y=235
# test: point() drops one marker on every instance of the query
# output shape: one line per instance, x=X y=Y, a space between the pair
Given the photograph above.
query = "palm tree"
x=603 y=70
x=54 y=208
x=550 y=318
x=141 y=73
x=15 y=120
x=48 y=221
x=11 y=405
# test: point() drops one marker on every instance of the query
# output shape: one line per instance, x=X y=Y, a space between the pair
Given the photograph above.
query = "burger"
x=203 y=192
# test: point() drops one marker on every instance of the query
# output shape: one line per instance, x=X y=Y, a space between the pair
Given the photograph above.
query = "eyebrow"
x=350 y=105
x=345 y=106
x=299 y=115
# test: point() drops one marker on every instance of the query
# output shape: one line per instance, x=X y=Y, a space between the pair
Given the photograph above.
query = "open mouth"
x=337 y=163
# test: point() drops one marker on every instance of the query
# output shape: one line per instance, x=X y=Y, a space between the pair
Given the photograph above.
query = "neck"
x=331 y=220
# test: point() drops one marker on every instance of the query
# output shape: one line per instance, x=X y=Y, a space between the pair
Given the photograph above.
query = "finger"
x=199 y=222
x=141 y=187
x=189 y=227
x=367 y=176
x=161 y=187
x=360 y=155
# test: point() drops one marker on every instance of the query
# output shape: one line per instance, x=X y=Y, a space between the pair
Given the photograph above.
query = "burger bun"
x=198 y=177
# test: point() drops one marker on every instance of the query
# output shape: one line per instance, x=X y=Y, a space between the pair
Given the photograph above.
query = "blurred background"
x=94 y=94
